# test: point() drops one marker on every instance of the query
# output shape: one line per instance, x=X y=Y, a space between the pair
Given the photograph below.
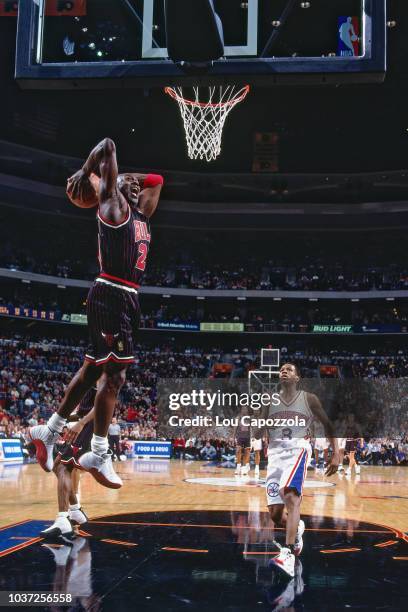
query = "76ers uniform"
x=113 y=305
x=289 y=448
x=70 y=453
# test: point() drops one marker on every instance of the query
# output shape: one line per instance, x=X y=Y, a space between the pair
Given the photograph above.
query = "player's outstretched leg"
x=257 y=463
x=98 y=461
x=238 y=459
x=245 y=469
x=298 y=547
x=62 y=526
x=76 y=513
x=44 y=436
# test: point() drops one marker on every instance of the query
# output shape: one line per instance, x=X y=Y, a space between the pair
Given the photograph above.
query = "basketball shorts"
x=244 y=441
x=286 y=470
x=321 y=444
x=256 y=445
x=113 y=320
x=70 y=453
x=351 y=446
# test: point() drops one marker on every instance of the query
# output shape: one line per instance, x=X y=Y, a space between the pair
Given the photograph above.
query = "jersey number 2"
x=141 y=260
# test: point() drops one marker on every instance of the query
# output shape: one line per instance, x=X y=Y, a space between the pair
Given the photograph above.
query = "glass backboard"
x=97 y=42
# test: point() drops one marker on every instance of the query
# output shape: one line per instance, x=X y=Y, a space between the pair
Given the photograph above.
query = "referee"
x=114 y=438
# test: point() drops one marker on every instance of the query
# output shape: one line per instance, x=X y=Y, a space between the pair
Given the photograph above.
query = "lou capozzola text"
x=208 y=401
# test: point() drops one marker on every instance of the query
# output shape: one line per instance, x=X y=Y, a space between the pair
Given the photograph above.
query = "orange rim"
x=242 y=94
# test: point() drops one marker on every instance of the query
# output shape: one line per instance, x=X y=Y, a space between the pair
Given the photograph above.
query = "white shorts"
x=256 y=445
x=286 y=469
x=321 y=444
x=342 y=443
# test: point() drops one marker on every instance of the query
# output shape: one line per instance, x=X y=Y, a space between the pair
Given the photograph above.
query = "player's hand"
x=73 y=432
x=76 y=183
x=334 y=464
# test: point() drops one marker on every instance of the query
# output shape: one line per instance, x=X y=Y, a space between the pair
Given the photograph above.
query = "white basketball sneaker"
x=285 y=561
x=101 y=468
x=43 y=439
x=299 y=539
x=60 y=527
x=257 y=472
x=245 y=470
x=77 y=517
x=357 y=468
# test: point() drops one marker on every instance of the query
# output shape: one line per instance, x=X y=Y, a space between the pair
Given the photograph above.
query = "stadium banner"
x=348 y=36
x=67 y=8
x=381 y=329
x=183 y=325
x=80 y=319
x=332 y=329
x=54 y=8
x=30 y=313
x=222 y=327
x=10 y=450
x=160 y=450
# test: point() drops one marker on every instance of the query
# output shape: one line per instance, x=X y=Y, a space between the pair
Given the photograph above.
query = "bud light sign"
x=348 y=37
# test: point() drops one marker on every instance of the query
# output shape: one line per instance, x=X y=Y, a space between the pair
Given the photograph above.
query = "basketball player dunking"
x=126 y=203
x=288 y=454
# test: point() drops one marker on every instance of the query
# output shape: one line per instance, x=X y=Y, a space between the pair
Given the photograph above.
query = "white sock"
x=238 y=466
x=62 y=514
x=99 y=445
x=56 y=423
x=73 y=507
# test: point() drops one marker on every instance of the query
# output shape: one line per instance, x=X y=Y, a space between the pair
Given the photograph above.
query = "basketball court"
x=181 y=534
x=186 y=534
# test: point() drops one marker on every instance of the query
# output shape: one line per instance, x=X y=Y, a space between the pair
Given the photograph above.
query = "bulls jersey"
x=291 y=435
x=123 y=249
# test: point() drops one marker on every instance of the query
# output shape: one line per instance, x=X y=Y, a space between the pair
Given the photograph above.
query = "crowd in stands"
x=264 y=277
x=289 y=261
x=373 y=451
x=33 y=376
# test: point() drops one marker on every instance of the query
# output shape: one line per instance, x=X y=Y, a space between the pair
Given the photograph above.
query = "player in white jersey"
x=288 y=456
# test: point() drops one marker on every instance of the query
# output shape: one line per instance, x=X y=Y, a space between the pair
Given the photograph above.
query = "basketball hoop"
x=204 y=120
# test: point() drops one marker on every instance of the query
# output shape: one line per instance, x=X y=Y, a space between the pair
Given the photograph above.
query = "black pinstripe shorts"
x=113 y=320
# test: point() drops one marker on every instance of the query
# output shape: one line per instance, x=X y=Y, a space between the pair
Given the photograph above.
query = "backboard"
x=266 y=379
x=122 y=43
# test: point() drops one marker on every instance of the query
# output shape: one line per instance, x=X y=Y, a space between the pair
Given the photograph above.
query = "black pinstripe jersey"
x=123 y=248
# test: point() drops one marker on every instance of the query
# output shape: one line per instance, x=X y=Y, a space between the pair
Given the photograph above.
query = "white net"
x=204 y=120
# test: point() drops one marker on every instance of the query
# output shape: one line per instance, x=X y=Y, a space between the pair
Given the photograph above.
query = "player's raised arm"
x=319 y=413
x=101 y=163
x=113 y=207
x=151 y=186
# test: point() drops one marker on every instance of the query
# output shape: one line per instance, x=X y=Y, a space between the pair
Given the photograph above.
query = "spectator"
x=208 y=452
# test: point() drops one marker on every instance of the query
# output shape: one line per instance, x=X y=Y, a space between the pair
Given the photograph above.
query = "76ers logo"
x=272 y=489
